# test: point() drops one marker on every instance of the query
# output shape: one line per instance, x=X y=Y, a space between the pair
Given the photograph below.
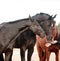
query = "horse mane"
x=17 y=21
x=41 y=16
x=44 y=14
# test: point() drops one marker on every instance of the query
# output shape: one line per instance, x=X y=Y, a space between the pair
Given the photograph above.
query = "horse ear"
x=50 y=18
x=54 y=16
x=30 y=18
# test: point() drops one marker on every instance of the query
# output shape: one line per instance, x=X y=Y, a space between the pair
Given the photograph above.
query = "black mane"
x=44 y=14
x=17 y=20
x=41 y=16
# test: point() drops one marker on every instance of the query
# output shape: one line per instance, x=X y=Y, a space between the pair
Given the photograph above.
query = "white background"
x=17 y=9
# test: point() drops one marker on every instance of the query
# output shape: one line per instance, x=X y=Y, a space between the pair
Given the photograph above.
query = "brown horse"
x=54 y=47
x=41 y=47
x=43 y=50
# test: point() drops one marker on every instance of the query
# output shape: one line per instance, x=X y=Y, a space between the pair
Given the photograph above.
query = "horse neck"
x=56 y=37
x=55 y=33
x=17 y=24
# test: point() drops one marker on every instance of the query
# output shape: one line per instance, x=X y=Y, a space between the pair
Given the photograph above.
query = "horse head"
x=35 y=27
x=46 y=21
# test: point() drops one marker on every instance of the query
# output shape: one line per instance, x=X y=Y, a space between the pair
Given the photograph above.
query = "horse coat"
x=8 y=31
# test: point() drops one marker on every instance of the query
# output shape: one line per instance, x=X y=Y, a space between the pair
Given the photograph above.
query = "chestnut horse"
x=41 y=47
x=54 y=47
x=43 y=50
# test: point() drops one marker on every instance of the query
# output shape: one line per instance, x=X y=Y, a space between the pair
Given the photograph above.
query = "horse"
x=40 y=45
x=43 y=50
x=54 y=47
x=13 y=30
x=31 y=37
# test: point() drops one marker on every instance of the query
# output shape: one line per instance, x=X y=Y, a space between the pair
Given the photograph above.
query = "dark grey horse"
x=8 y=32
x=27 y=39
x=46 y=21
